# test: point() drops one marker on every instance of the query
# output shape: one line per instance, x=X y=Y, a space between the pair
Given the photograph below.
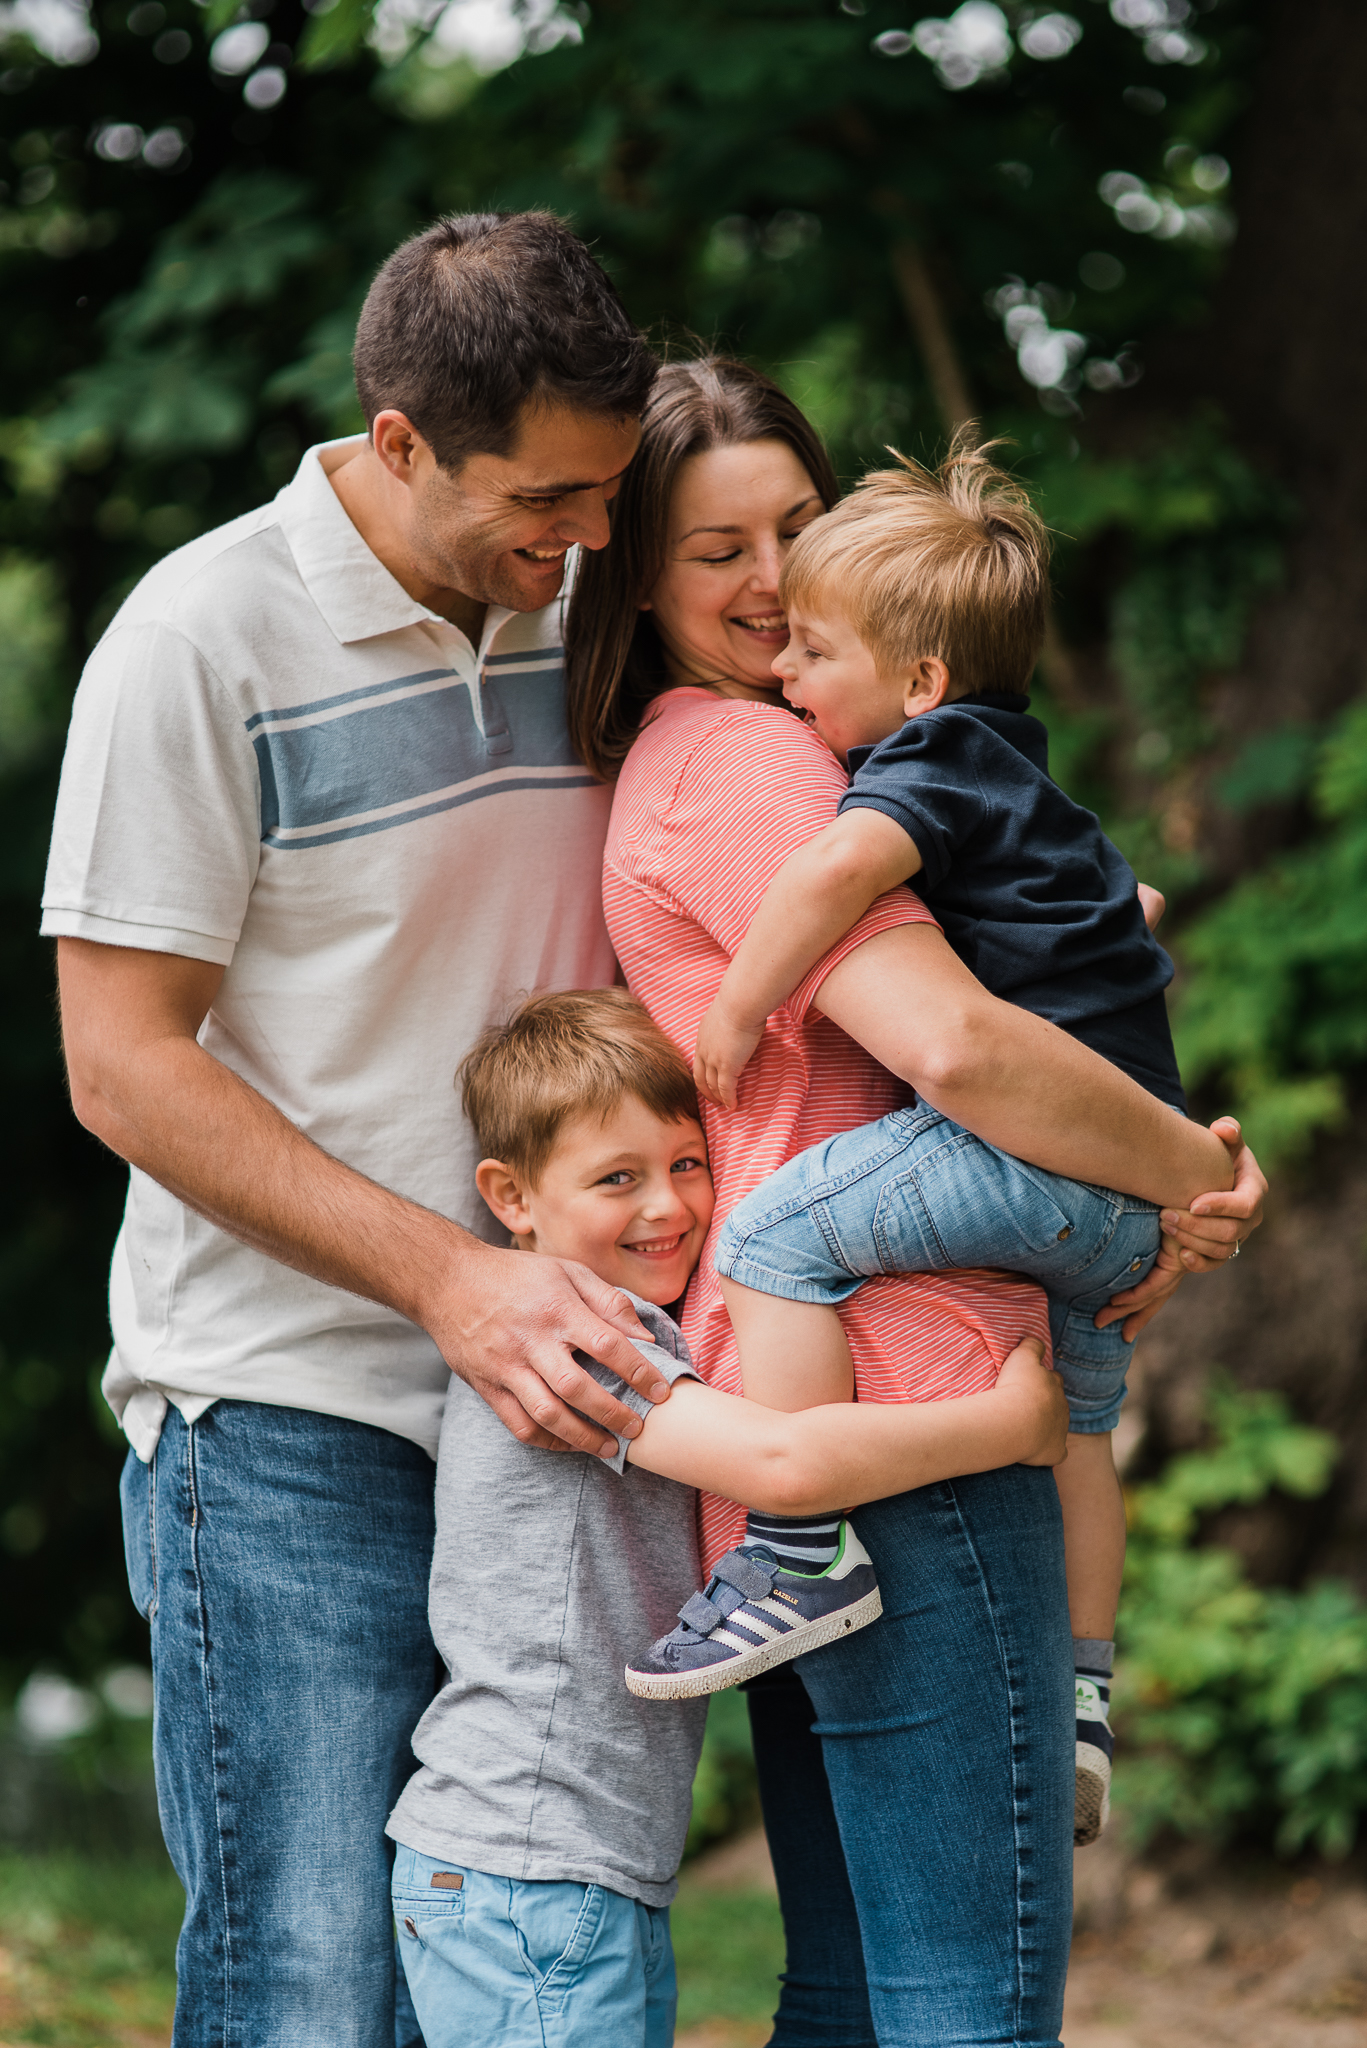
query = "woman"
x=925 y=1871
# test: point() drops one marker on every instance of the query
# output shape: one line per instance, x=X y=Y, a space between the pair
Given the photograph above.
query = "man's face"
x=498 y=529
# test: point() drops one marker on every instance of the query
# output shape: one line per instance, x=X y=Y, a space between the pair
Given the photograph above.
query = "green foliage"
x=32 y=627
x=1238 y=1709
x=1276 y=1004
x=725 y=1798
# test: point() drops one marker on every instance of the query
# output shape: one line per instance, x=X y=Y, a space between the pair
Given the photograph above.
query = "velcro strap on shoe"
x=749 y=1578
x=699 y=1614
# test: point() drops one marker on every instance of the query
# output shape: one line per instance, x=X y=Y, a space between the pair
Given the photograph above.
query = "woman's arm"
x=1013 y=1079
x=836 y=1457
x=818 y=893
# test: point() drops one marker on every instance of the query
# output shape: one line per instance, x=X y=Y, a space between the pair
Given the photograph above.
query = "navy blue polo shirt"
x=1030 y=892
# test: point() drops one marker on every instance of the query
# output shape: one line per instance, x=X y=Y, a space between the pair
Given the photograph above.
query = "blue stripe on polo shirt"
x=445 y=803
x=347 y=756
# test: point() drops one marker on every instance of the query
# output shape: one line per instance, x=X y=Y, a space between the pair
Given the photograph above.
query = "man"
x=319 y=824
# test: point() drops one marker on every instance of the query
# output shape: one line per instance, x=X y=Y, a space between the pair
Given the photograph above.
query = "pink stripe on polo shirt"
x=714 y=796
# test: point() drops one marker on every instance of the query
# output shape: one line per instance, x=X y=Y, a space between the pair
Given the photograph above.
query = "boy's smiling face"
x=829 y=675
x=629 y=1196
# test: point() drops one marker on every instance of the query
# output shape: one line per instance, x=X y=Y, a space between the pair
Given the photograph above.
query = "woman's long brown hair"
x=614 y=665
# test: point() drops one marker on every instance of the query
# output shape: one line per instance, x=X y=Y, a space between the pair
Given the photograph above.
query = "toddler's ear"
x=928 y=684
x=503 y=1192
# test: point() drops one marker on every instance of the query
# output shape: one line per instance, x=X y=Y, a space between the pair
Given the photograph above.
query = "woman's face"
x=734 y=515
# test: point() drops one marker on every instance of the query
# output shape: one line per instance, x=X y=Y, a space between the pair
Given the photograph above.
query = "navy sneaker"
x=755 y=1614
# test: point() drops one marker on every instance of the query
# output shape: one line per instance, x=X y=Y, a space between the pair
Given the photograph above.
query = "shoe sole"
x=808 y=1635
x=1091 y=1800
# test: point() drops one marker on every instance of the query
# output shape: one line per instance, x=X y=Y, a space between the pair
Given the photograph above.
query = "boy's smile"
x=830 y=676
x=629 y=1197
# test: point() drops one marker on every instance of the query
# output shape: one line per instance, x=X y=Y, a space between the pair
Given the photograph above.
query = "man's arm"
x=505 y=1321
x=1013 y=1079
x=823 y=1458
x=814 y=899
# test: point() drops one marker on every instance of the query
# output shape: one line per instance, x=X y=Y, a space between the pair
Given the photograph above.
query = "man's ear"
x=399 y=445
x=927 y=685
x=505 y=1194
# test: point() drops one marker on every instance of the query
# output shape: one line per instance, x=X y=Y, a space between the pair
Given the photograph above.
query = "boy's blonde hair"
x=953 y=563
x=564 y=1055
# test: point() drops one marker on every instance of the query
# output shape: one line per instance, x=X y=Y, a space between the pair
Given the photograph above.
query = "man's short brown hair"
x=571 y=1054
x=484 y=311
x=952 y=563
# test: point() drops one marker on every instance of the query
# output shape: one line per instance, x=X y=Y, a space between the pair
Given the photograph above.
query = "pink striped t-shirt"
x=713 y=797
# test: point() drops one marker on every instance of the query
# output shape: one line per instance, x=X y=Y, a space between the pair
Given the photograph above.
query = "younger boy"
x=916 y=612
x=539 y=1840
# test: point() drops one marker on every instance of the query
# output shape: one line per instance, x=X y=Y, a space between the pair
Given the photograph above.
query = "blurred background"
x=1129 y=236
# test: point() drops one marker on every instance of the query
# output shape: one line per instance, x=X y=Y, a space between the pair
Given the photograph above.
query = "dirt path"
x=1182 y=1954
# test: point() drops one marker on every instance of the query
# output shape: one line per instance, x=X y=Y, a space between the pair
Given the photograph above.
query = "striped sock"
x=801 y=1543
x=1093 y=1662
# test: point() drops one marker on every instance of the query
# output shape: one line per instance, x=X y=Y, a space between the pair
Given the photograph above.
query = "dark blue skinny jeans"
x=282 y=1560
x=917 y=1784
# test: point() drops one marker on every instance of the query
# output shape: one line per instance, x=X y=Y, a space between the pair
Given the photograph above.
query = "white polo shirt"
x=280 y=762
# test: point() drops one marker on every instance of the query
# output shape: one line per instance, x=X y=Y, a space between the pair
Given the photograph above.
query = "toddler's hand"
x=1026 y=1379
x=723 y=1049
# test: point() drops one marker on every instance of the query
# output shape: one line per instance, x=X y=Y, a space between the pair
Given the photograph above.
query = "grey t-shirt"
x=551 y=1571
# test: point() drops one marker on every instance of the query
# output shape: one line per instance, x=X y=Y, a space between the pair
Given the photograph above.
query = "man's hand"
x=1027 y=1381
x=724 y=1048
x=1195 y=1240
x=513 y=1324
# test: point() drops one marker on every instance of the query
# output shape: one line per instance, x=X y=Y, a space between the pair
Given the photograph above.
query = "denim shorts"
x=915 y=1193
x=530 y=1964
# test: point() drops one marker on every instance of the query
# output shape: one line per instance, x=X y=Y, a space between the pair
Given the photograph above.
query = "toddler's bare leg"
x=1093 y=1533
x=793 y=1354
x=1094 y=1551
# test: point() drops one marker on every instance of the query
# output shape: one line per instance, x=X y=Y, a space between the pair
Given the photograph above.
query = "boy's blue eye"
x=615 y=1180
x=687 y=1165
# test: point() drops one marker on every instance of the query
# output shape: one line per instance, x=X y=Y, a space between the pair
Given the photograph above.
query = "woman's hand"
x=1027 y=1382
x=725 y=1044
x=1196 y=1240
x=1153 y=903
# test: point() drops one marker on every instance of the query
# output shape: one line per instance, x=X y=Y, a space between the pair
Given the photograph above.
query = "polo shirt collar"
x=350 y=585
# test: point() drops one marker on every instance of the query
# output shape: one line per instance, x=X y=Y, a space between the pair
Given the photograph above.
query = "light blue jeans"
x=915 y=1193
x=519 y=1964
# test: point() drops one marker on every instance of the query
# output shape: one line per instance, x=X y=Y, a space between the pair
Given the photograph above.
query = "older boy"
x=540 y=1838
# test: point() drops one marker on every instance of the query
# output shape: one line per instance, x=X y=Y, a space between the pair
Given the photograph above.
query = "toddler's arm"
x=837 y=1457
x=818 y=893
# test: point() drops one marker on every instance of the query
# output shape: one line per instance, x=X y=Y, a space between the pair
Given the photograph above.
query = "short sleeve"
x=157 y=834
x=924 y=780
x=668 y=1353
x=759 y=786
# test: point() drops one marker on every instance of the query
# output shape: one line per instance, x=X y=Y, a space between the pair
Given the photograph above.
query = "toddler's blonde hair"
x=952 y=563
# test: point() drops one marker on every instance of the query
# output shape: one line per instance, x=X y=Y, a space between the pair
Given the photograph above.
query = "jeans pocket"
x=138 y=1500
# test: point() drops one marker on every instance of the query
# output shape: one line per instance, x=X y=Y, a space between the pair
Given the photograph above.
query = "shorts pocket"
x=425 y=1892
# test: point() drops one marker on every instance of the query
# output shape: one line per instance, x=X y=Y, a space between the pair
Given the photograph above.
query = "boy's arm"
x=818 y=893
x=835 y=1457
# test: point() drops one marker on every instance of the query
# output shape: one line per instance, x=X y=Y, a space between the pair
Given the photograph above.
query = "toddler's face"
x=829 y=675
x=630 y=1198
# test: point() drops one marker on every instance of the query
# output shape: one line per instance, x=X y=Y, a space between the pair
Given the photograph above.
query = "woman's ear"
x=505 y=1194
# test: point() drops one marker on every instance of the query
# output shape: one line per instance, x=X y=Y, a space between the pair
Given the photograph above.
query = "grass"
x=87 y=1954
x=87 y=1951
